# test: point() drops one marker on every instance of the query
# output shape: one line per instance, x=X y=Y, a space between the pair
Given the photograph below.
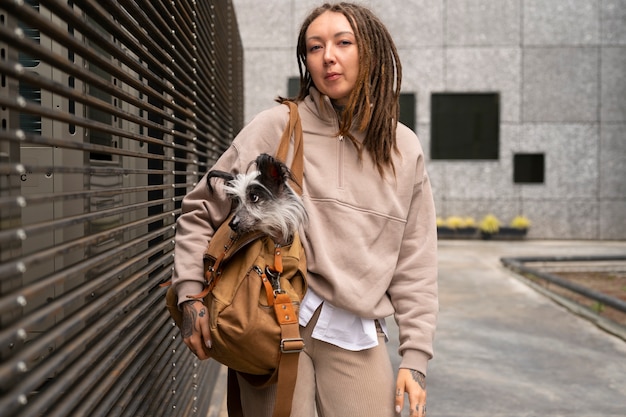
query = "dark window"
x=465 y=125
x=293 y=86
x=97 y=136
x=30 y=123
x=25 y=59
x=528 y=168
x=407 y=110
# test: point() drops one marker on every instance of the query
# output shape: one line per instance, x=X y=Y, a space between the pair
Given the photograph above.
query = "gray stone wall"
x=559 y=67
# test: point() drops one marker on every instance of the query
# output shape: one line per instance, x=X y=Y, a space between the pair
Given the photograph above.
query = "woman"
x=371 y=238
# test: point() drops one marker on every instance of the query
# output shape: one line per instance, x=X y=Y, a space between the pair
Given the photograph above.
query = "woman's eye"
x=314 y=48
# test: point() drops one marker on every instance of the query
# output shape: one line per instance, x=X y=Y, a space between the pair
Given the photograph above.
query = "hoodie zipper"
x=340 y=150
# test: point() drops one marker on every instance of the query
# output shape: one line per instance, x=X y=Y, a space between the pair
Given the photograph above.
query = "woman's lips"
x=331 y=76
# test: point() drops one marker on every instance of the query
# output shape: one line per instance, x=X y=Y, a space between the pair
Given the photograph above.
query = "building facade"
x=555 y=70
x=110 y=112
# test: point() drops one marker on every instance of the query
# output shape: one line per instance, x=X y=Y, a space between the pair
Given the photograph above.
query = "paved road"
x=504 y=350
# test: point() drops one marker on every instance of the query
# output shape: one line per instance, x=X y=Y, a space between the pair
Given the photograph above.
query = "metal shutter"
x=110 y=111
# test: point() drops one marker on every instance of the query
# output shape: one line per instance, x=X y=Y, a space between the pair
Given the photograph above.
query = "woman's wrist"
x=418 y=377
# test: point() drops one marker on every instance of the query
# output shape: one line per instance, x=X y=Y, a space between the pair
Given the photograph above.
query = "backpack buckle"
x=292 y=345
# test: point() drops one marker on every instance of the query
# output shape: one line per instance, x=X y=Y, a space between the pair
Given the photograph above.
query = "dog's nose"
x=234 y=223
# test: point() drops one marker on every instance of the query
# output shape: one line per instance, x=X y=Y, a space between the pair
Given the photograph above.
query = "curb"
x=603 y=323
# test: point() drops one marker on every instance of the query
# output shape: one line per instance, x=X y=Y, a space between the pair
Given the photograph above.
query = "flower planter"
x=466 y=232
x=505 y=233
x=511 y=233
x=444 y=232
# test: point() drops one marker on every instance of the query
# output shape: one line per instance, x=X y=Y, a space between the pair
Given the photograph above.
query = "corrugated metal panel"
x=110 y=112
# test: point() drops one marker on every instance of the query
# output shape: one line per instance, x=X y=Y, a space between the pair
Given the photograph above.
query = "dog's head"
x=263 y=198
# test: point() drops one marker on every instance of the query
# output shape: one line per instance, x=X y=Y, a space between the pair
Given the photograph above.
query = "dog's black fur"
x=263 y=198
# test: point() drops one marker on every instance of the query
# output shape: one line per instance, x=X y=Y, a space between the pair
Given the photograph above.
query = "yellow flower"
x=520 y=222
x=489 y=224
x=454 y=222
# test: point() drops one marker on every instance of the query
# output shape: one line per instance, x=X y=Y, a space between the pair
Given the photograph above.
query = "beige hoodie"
x=371 y=242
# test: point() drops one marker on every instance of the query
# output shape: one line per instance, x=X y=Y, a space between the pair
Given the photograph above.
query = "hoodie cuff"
x=187 y=288
x=415 y=359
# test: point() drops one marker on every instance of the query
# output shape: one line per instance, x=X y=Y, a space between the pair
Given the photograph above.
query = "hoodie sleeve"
x=414 y=290
x=203 y=212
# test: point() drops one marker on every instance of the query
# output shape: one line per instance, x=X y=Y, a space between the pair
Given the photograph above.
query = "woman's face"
x=332 y=56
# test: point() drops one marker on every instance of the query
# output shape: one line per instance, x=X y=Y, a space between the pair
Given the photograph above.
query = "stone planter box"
x=462 y=233
x=506 y=233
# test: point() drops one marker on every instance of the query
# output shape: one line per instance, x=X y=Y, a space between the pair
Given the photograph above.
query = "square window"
x=407 y=110
x=465 y=126
x=528 y=168
x=293 y=86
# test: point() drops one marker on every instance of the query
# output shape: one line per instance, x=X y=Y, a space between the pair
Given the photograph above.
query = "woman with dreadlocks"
x=370 y=242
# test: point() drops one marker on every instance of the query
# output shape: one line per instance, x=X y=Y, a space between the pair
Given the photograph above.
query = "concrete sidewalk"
x=504 y=350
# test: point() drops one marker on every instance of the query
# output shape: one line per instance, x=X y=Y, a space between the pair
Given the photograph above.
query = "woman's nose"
x=329 y=54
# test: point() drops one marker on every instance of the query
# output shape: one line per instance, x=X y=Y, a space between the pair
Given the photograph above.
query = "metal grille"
x=111 y=111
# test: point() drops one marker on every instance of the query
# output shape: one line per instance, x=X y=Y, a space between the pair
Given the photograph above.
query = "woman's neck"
x=339 y=108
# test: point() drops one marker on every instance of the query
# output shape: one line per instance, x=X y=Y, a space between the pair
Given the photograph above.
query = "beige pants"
x=336 y=381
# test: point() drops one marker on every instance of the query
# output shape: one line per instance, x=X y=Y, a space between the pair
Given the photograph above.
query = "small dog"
x=264 y=199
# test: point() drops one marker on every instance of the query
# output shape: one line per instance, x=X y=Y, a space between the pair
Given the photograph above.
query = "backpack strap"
x=293 y=128
x=291 y=343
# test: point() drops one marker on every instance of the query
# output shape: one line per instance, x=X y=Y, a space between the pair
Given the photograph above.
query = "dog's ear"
x=273 y=172
x=226 y=176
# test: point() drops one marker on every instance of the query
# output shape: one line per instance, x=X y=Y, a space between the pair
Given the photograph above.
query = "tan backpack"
x=254 y=328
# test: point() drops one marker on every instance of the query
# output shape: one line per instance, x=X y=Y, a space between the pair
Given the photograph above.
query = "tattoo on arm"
x=419 y=377
x=189 y=320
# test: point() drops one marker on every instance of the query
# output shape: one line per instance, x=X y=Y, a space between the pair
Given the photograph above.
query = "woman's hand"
x=195 y=329
x=414 y=384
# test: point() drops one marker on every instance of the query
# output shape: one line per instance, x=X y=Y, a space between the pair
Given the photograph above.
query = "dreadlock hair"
x=373 y=105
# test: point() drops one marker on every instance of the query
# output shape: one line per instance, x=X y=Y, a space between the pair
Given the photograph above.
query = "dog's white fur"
x=276 y=210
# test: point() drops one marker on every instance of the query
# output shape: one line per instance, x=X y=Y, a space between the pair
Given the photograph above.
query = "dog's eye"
x=254 y=198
